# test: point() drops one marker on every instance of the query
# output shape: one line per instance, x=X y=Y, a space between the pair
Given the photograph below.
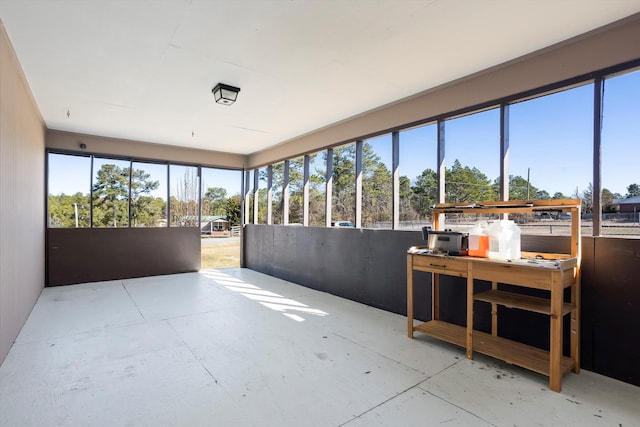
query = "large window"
x=261 y=195
x=620 y=197
x=551 y=155
x=344 y=184
x=317 y=189
x=277 y=197
x=148 y=195
x=548 y=154
x=551 y=145
x=110 y=192
x=69 y=186
x=184 y=196
x=101 y=192
x=221 y=195
x=472 y=157
x=418 y=175
x=377 y=183
x=296 y=190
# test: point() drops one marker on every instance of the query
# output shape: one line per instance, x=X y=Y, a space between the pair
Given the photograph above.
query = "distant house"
x=630 y=205
x=215 y=225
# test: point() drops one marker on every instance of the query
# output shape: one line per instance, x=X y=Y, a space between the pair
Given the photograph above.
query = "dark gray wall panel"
x=363 y=265
x=78 y=255
x=616 y=326
x=369 y=266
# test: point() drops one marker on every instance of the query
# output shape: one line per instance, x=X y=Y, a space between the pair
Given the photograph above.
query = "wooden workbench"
x=549 y=272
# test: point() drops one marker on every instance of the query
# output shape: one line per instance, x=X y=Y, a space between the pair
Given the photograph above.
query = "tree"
x=111 y=197
x=213 y=201
x=377 y=188
x=146 y=210
x=587 y=199
x=465 y=184
x=425 y=193
x=520 y=188
x=344 y=183
x=633 y=190
x=232 y=207
x=183 y=203
x=62 y=210
x=607 y=200
x=407 y=210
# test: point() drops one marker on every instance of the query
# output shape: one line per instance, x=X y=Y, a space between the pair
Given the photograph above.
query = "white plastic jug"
x=504 y=240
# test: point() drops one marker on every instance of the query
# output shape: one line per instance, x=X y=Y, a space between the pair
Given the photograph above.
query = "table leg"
x=555 y=345
x=494 y=313
x=469 y=311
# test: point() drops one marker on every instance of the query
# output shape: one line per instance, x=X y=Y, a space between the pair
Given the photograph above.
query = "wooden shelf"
x=444 y=331
x=524 y=302
x=512 y=352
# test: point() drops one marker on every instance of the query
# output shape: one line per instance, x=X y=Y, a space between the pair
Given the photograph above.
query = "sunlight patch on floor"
x=268 y=299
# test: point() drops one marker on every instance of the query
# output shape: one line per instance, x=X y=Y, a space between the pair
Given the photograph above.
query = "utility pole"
x=75 y=208
x=528 y=172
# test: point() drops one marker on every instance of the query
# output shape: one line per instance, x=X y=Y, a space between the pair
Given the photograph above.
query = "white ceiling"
x=144 y=70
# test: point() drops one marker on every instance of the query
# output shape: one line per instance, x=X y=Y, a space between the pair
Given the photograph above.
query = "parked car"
x=545 y=216
x=347 y=224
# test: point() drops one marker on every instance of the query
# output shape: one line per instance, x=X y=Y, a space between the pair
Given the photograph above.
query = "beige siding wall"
x=70 y=141
x=600 y=49
x=22 y=132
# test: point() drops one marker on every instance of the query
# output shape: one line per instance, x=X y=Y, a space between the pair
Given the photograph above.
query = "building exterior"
x=630 y=205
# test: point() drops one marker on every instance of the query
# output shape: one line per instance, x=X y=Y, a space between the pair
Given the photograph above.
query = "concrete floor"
x=234 y=347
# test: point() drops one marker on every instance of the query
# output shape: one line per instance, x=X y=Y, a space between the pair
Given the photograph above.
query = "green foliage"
x=425 y=193
x=213 y=201
x=232 y=206
x=344 y=183
x=377 y=189
x=111 y=198
x=465 y=184
x=62 y=210
x=633 y=190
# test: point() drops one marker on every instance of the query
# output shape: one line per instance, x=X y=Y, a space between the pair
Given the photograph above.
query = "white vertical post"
x=269 y=194
x=358 y=184
x=395 y=159
x=441 y=168
x=256 y=196
x=329 y=191
x=285 y=194
x=305 y=197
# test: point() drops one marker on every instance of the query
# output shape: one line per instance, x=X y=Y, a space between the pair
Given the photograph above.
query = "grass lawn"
x=221 y=255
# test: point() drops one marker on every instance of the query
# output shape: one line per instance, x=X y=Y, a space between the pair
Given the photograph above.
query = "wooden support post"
x=494 y=312
x=555 y=345
x=575 y=323
x=469 y=310
x=435 y=296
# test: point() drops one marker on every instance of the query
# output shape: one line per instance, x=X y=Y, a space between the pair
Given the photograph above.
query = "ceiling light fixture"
x=225 y=94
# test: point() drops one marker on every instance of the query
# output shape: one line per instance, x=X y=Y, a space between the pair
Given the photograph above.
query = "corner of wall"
x=22 y=198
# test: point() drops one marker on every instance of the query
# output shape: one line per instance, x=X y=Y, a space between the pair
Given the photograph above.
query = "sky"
x=550 y=136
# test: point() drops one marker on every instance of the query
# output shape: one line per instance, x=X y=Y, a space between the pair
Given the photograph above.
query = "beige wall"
x=142 y=150
x=609 y=46
x=22 y=133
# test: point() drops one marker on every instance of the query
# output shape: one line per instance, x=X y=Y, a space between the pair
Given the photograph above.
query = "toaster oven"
x=446 y=242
